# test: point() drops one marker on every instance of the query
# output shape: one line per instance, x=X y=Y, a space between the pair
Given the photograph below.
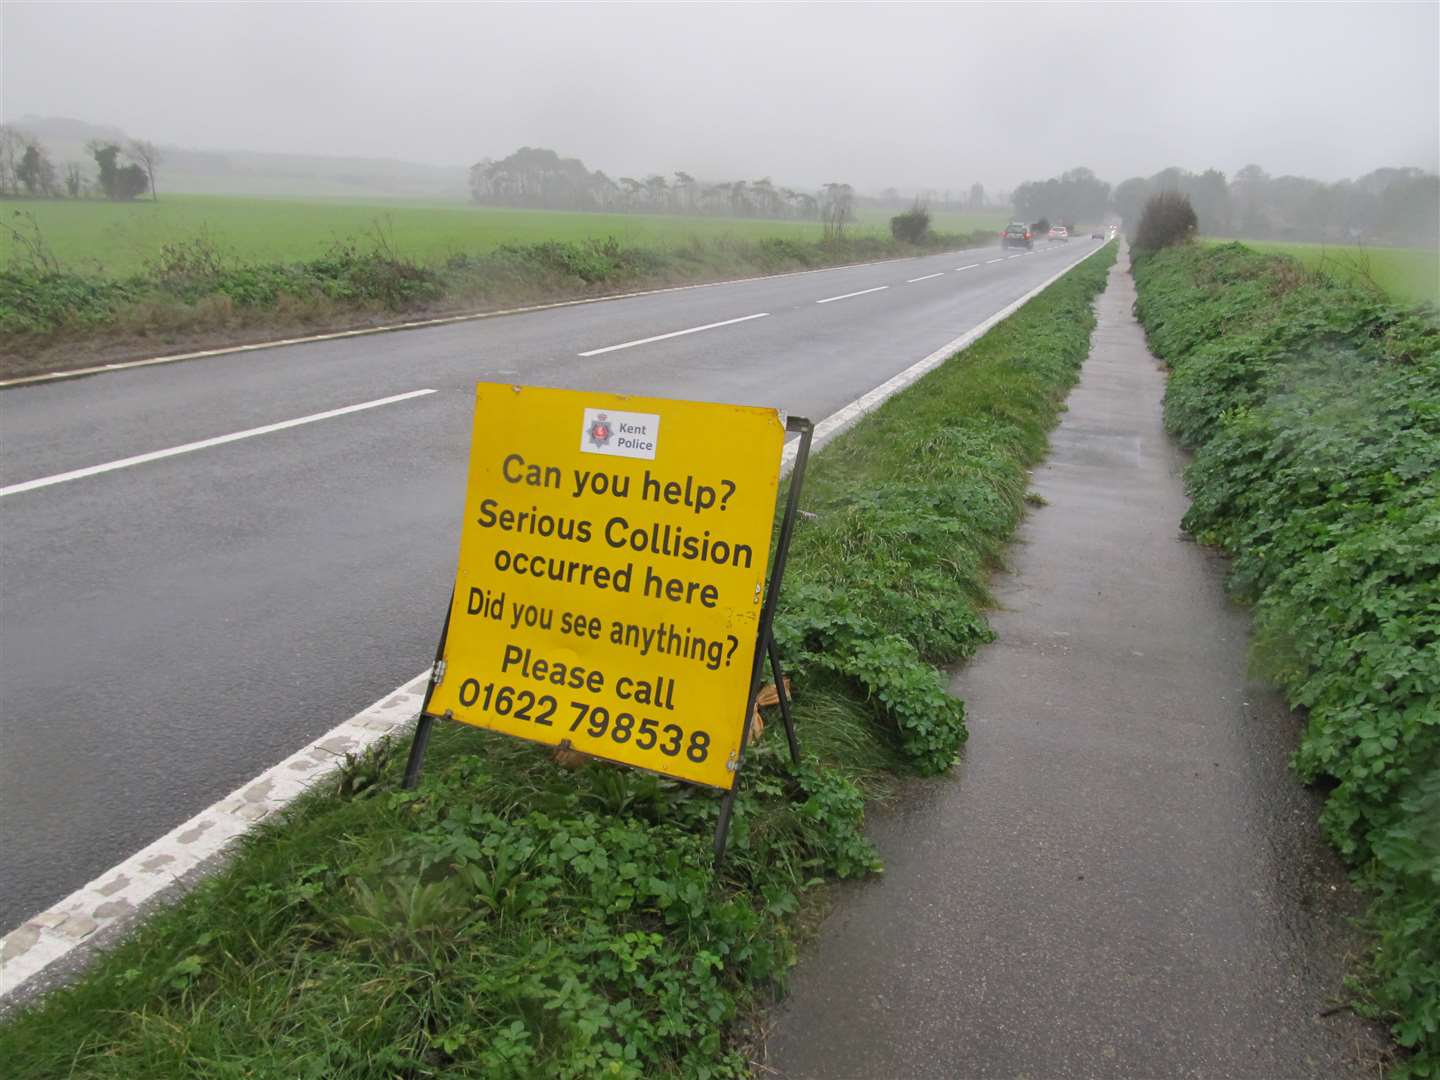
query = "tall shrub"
x=1168 y=219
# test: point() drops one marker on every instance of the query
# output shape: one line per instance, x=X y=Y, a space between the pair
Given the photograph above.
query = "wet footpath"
x=1123 y=879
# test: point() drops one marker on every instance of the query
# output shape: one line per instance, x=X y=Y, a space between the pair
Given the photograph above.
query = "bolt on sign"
x=612 y=568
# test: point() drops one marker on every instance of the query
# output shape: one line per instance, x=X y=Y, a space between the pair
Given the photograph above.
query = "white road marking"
x=420 y=324
x=967 y=266
x=848 y=295
x=673 y=333
x=1017 y=255
x=53 y=934
x=838 y=422
x=97 y=911
x=927 y=277
x=989 y=261
x=156 y=455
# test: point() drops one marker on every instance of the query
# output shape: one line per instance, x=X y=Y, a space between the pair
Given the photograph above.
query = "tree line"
x=537 y=178
x=122 y=172
x=1397 y=206
x=540 y=179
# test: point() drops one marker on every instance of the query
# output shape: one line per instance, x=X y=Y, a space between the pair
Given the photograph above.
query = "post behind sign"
x=611 y=591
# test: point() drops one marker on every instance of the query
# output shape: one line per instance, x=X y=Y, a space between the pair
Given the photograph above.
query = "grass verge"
x=512 y=918
x=120 y=239
x=1406 y=275
x=199 y=290
x=1314 y=409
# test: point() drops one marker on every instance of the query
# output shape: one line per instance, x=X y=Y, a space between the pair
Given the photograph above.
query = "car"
x=1017 y=234
x=1060 y=232
x=1097 y=236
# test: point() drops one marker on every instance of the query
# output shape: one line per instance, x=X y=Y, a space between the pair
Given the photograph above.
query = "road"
x=171 y=627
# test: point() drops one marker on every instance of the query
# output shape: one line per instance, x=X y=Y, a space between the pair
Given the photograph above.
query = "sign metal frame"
x=764 y=649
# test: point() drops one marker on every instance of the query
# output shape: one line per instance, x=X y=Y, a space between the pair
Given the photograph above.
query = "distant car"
x=1017 y=234
x=1060 y=232
x=1097 y=236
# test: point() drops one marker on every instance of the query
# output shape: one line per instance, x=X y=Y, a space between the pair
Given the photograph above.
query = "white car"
x=1059 y=232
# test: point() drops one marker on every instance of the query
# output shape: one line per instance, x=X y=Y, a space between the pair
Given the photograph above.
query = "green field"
x=1405 y=273
x=118 y=238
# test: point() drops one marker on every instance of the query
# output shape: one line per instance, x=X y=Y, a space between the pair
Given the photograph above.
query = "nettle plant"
x=1315 y=412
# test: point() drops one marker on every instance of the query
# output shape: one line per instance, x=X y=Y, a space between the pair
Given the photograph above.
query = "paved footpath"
x=1123 y=879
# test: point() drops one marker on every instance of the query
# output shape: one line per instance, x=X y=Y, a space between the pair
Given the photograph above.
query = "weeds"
x=32 y=253
x=188 y=281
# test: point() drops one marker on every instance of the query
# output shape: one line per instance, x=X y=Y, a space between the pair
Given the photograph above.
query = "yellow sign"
x=611 y=574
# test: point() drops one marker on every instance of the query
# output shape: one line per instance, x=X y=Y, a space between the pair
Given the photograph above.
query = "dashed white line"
x=840 y=421
x=927 y=277
x=989 y=261
x=1015 y=256
x=848 y=295
x=675 y=334
x=967 y=266
x=156 y=455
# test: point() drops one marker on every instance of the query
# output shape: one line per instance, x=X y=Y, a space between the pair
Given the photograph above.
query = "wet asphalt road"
x=169 y=630
x=1123 y=879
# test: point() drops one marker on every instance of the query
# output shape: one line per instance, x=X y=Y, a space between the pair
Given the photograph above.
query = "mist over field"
x=907 y=96
x=222 y=160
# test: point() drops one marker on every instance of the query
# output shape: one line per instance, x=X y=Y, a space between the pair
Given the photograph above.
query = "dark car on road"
x=1017 y=234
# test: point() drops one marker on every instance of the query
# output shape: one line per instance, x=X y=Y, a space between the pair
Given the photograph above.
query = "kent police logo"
x=600 y=431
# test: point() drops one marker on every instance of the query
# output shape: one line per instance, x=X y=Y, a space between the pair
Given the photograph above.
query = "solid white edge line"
x=840 y=421
x=673 y=334
x=926 y=277
x=112 y=901
x=848 y=295
x=218 y=440
x=442 y=320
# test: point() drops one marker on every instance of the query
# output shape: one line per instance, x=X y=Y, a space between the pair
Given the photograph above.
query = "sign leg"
x=722 y=827
x=417 y=751
x=779 y=677
x=426 y=721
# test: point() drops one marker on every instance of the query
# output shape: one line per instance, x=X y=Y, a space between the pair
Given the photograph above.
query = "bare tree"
x=12 y=145
x=147 y=155
x=838 y=209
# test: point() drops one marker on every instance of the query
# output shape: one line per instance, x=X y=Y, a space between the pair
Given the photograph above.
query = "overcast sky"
x=911 y=96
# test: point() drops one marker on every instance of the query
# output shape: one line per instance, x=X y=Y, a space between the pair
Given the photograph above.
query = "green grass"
x=118 y=239
x=1407 y=274
x=515 y=919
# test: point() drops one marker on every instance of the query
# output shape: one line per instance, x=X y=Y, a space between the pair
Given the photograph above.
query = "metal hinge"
x=437 y=672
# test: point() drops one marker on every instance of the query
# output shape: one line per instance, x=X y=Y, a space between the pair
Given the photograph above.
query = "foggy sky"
x=910 y=96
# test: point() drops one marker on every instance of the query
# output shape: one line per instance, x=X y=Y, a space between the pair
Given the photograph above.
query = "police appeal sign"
x=612 y=567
